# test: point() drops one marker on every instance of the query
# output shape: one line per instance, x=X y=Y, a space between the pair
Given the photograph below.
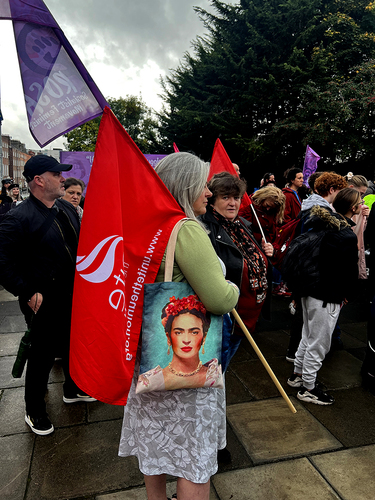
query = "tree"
x=340 y=117
x=134 y=115
x=253 y=72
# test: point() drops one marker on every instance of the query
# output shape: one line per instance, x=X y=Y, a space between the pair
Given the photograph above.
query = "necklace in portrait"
x=179 y=374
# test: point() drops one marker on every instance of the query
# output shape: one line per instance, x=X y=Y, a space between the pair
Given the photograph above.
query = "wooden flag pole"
x=263 y=360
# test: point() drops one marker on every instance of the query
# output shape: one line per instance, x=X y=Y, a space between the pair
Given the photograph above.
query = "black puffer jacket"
x=338 y=256
x=28 y=266
x=231 y=256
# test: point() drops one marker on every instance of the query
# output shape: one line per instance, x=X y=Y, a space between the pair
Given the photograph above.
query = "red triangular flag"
x=175 y=148
x=220 y=162
x=123 y=238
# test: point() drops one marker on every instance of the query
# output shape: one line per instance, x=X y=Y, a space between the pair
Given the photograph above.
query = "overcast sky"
x=126 y=45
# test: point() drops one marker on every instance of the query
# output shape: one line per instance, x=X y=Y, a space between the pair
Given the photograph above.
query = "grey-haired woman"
x=179 y=432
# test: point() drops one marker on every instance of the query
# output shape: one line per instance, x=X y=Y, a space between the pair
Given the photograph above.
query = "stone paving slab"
x=235 y=391
x=62 y=414
x=351 y=342
x=12 y=412
x=292 y=480
x=15 y=459
x=14 y=324
x=357 y=330
x=6 y=379
x=6 y=296
x=256 y=379
x=140 y=493
x=269 y=431
x=351 y=419
x=238 y=456
x=271 y=343
x=350 y=472
x=348 y=375
x=81 y=461
x=99 y=411
x=9 y=343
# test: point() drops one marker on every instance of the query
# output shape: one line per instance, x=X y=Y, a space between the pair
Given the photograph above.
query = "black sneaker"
x=316 y=396
x=80 y=397
x=40 y=425
x=295 y=381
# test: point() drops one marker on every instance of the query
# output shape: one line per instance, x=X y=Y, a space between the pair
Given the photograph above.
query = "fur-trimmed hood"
x=321 y=218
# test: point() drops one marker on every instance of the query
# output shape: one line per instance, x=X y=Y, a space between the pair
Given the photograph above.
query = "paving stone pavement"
x=319 y=453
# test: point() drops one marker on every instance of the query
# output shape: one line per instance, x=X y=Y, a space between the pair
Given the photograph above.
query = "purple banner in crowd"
x=154 y=159
x=311 y=163
x=60 y=95
x=82 y=163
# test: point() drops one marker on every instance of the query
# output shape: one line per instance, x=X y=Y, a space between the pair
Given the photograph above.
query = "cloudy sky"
x=126 y=46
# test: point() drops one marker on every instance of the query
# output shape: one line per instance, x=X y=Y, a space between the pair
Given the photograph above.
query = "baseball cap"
x=39 y=164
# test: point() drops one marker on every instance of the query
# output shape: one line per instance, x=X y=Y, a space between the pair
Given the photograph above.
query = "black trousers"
x=50 y=336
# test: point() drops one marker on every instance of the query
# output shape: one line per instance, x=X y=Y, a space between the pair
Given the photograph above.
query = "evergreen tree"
x=252 y=77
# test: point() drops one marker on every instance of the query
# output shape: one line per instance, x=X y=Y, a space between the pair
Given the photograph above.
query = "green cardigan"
x=197 y=263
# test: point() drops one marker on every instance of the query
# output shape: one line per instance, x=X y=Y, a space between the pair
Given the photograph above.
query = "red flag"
x=128 y=217
x=175 y=148
x=220 y=162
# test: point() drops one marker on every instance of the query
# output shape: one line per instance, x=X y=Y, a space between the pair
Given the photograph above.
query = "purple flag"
x=60 y=95
x=154 y=159
x=82 y=163
x=311 y=163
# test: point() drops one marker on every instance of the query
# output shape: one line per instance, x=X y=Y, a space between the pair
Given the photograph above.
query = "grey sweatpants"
x=318 y=325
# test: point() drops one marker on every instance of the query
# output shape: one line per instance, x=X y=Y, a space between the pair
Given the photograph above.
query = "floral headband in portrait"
x=175 y=306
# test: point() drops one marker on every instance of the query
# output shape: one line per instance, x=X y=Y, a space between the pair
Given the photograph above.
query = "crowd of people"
x=226 y=251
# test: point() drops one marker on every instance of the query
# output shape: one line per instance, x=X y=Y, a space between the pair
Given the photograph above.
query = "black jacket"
x=231 y=255
x=338 y=257
x=29 y=265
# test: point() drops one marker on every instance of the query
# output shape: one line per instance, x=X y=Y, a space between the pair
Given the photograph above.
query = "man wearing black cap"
x=38 y=248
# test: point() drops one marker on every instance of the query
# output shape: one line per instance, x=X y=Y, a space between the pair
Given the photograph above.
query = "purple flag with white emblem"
x=311 y=163
x=59 y=93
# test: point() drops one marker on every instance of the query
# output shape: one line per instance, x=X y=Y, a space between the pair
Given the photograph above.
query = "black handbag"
x=22 y=354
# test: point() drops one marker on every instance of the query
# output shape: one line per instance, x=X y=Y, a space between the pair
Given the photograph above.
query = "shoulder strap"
x=169 y=257
x=37 y=236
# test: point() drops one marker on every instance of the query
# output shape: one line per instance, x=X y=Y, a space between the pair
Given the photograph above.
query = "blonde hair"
x=275 y=195
x=356 y=180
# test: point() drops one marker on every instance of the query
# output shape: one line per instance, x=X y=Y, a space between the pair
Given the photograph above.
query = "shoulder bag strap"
x=169 y=257
x=37 y=236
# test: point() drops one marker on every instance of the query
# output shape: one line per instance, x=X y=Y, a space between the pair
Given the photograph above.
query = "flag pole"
x=263 y=360
x=260 y=227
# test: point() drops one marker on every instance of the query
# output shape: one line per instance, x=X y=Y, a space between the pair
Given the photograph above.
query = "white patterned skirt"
x=175 y=432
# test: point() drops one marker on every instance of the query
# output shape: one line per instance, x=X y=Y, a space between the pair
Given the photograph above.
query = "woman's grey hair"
x=185 y=176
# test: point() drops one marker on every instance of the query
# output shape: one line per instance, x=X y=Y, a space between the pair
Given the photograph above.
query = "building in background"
x=18 y=157
x=55 y=152
x=15 y=155
x=6 y=146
